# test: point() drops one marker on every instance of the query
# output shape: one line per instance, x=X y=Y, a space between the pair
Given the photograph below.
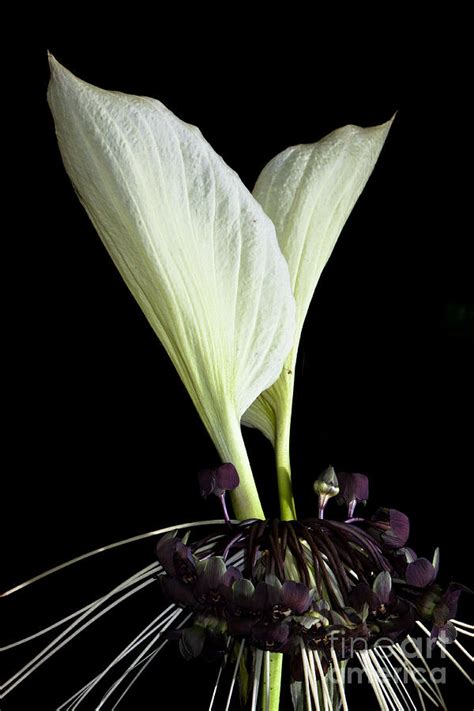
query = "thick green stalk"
x=282 y=406
x=287 y=513
x=246 y=504
x=282 y=454
x=231 y=447
x=276 y=664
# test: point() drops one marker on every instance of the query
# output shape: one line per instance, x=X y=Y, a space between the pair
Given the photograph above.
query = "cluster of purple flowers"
x=332 y=586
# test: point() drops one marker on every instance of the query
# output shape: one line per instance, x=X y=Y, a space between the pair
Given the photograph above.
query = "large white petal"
x=193 y=245
x=309 y=192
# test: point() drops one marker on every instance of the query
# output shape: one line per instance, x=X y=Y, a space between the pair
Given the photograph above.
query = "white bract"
x=201 y=256
x=309 y=192
x=193 y=245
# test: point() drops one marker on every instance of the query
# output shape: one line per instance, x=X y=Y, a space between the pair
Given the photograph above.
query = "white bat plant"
x=225 y=279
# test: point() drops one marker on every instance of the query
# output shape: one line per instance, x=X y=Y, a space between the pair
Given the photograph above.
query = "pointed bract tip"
x=52 y=61
x=383 y=129
x=55 y=67
x=389 y=123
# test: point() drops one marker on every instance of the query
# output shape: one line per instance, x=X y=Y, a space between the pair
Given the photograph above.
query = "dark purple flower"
x=269 y=603
x=362 y=595
x=192 y=641
x=385 y=614
x=243 y=591
x=178 y=592
x=266 y=596
x=391 y=527
x=420 y=572
x=428 y=600
x=242 y=613
x=447 y=606
x=270 y=636
x=440 y=607
x=375 y=598
x=353 y=489
x=398 y=623
x=203 y=586
x=218 y=481
x=446 y=609
x=176 y=558
x=214 y=584
x=201 y=639
x=368 y=589
x=276 y=601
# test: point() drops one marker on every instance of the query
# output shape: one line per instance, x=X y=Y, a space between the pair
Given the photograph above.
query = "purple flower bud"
x=218 y=481
x=382 y=587
x=353 y=489
x=226 y=478
x=391 y=527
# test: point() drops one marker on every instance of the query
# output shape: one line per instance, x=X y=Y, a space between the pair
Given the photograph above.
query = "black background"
x=102 y=441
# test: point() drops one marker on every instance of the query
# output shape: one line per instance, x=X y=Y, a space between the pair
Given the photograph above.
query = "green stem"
x=231 y=447
x=285 y=487
x=276 y=663
x=246 y=504
x=282 y=407
x=287 y=513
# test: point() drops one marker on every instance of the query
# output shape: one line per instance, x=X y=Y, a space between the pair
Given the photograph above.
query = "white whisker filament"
x=111 y=546
x=447 y=653
x=234 y=675
x=380 y=651
x=413 y=673
x=435 y=686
